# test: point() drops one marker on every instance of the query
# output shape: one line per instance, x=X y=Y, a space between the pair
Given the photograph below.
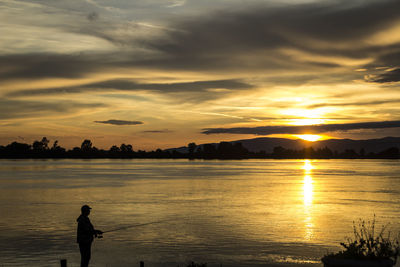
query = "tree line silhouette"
x=223 y=150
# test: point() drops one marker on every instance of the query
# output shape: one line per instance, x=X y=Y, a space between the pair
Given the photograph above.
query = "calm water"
x=234 y=213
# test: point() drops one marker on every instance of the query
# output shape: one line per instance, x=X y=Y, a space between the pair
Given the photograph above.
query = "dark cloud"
x=22 y=109
x=388 y=55
x=130 y=85
x=227 y=41
x=120 y=122
x=157 y=131
x=386 y=77
x=224 y=38
x=321 y=128
x=93 y=16
x=171 y=87
x=49 y=65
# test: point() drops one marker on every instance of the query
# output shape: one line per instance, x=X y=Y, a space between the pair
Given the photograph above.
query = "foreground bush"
x=367 y=245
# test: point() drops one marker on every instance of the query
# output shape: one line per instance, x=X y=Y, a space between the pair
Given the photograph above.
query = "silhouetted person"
x=85 y=235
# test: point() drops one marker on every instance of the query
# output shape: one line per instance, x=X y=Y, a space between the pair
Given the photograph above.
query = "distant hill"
x=267 y=144
x=369 y=145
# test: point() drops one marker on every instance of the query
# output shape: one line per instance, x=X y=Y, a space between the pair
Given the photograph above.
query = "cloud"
x=232 y=39
x=130 y=85
x=310 y=37
x=389 y=76
x=157 y=131
x=93 y=16
x=177 y=3
x=120 y=122
x=389 y=56
x=48 y=65
x=321 y=128
x=23 y=109
x=369 y=103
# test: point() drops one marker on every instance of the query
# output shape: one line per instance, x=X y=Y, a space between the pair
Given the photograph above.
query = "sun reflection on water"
x=308 y=191
x=307 y=167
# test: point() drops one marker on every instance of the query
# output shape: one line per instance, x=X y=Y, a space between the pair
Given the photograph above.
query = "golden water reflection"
x=307 y=167
x=260 y=208
x=308 y=191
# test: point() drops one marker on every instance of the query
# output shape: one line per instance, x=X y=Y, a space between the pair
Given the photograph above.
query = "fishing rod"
x=130 y=226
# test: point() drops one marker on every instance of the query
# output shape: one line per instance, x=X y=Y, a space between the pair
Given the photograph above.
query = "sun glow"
x=307 y=121
x=305 y=116
x=309 y=137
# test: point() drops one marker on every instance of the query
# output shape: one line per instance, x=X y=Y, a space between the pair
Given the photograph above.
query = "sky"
x=163 y=73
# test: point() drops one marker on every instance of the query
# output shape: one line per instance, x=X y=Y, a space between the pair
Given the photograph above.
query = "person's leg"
x=85 y=249
x=89 y=253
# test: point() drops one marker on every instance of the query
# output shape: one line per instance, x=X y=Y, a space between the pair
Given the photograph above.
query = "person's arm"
x=98 y=233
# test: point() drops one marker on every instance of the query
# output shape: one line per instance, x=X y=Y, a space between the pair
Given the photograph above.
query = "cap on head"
x=85 y=208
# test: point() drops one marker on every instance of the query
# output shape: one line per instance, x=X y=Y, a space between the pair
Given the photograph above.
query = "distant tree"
x=240 y=150
x=86 y=146
x=45 y=143
x=55 y=145
x=324 y=153
x=209 y=151
x=20 y=147
x=349 y=154
x=114 y=152
x=125 y=148
x=40 y=146
x=335 y=154
x=191 y=148
x=115 y=149
x=16 y=150
x=176 y=154
x=57 y=151
x=309 y=152
x=390 y=153
x=278 y=152
x=199 y=151
x=159 y=153
x=37 y=145
x=362 y=152
x=225 y=150
x=261 y=154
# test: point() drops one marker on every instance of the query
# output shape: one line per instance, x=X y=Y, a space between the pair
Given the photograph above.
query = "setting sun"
x=309 y=137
